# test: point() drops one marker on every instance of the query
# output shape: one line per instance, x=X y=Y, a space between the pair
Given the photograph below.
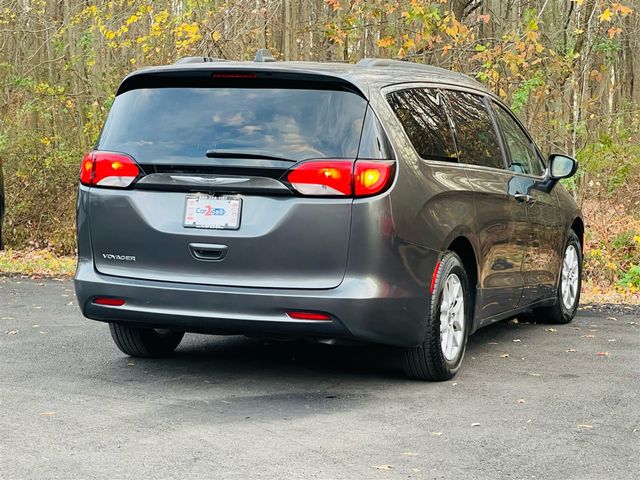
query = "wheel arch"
x=463 y=247
x=578 y=226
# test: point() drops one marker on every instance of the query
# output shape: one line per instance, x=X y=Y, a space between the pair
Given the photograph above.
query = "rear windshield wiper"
x=241 y=154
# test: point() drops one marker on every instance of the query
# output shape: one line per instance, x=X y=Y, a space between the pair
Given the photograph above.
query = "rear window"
x=177 y=125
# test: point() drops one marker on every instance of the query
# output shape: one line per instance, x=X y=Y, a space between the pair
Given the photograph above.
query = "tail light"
x=360 y=178
x=108 y=169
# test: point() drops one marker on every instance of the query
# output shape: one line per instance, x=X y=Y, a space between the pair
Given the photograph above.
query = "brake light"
x=341 y=177
x=322 y=177
x=234 y=75
x=372 y=176
x=108 y=169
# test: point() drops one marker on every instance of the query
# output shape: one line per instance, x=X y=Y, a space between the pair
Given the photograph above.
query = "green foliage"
x=632 y=277
x=608 y=163
x=520 y=97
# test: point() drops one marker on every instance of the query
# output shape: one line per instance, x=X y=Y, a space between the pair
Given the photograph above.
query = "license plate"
x=207 y=211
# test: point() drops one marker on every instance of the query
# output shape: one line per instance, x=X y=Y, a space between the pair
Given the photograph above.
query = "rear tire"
x=144 y=342
x=440 y=355
x=569 y=284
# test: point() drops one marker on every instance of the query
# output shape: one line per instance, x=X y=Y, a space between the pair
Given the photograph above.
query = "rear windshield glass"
x=176 y=125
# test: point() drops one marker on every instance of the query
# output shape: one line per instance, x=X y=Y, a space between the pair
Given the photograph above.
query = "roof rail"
x=264 y=55
x=388 y=62
x=407 y=65
x=199 y=60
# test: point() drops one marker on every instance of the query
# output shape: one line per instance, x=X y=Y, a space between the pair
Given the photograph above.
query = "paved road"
x=72 y=406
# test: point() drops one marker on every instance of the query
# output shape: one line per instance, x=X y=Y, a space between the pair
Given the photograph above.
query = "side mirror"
x=561 y=166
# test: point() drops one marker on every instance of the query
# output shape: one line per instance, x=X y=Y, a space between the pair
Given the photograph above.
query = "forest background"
x=569 y=68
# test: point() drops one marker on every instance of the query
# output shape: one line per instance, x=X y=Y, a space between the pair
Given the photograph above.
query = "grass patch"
x=36 y=263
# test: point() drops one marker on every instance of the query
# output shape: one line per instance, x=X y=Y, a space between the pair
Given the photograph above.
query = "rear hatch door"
x=216 y=142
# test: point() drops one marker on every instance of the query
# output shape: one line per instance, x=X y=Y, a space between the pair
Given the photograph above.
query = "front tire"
x=569 y=284
x=440 y=355
x=145 y=342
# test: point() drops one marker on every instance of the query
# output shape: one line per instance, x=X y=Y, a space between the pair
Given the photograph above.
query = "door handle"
x=524 y=197
x=208 y=251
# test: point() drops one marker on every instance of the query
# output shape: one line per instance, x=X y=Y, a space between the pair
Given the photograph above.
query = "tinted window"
x=524 y=158
x=173 y=125
x=475 y=134
x=423 y=115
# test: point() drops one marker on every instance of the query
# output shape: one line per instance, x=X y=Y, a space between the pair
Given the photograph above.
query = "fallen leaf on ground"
x=585 y=426
x=552 y=330
x=383 y=467
x=504 y=355
x=12 y=332
x=521 y=400
x=47 y=414
x=475 y=424
x=602 y=354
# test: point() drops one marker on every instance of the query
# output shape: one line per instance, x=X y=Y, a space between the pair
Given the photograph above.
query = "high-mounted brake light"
x=108 y=169
x=234 y=75
x=361 y=178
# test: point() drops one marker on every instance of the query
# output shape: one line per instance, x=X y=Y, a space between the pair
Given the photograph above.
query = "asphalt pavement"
x=532 y=401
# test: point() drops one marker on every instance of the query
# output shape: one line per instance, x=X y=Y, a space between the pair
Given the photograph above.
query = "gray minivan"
x=383 y=202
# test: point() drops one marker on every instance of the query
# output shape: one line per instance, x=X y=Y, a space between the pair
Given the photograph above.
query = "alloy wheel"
x=570 y=277
x=452 y=322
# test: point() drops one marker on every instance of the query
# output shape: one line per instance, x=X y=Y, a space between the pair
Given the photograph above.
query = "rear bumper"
x=363 y=309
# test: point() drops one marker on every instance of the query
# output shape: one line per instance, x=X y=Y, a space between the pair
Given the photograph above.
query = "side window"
x=524 y=158
x=423 y=116
x=475 y=134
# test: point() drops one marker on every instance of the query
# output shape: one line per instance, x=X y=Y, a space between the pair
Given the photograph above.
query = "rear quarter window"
x=423 y=116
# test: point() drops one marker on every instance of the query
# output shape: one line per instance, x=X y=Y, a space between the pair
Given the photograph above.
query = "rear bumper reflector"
x=309 y=316
x=111 y=302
